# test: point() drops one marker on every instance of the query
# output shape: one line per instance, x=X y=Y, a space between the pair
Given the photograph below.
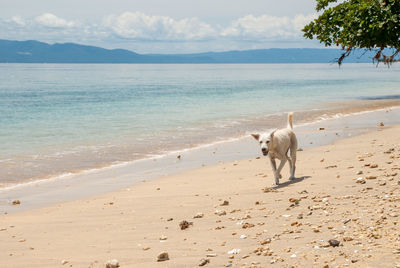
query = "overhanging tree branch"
x=358 y=24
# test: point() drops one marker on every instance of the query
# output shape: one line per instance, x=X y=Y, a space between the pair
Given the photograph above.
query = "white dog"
x=277 y=144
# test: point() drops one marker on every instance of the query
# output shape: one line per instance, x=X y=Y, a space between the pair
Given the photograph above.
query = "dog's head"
x=265 y=142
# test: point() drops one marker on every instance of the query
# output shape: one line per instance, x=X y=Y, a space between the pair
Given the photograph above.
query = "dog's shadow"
x=289 y=182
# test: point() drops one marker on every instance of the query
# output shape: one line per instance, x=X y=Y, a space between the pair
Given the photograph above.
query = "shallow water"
x=65 y=118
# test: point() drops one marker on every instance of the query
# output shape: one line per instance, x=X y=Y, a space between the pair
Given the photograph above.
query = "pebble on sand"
x=185 y=224
x=360 y=180
x=333 y=242
x=198 y=215
x=234 y=251
x=163 y=237
x=220 y=212
x=112 y=264
x=163 y=256
x=204 y=262
x=225 y=203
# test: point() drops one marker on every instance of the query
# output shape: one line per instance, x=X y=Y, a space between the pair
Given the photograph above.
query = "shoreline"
x=67 y=187
x=328 y=114
x=346 y=191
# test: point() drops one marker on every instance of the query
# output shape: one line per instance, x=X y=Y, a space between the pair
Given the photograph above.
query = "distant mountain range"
x=39 y=52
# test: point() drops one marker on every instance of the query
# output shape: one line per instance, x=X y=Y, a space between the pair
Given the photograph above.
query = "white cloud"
x=300 y=20
x=266 y=27
x=144 y=27
x=161 y=34
x=51 y=20
x=18 y=20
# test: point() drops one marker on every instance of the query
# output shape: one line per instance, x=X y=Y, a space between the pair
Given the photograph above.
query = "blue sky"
x=156 y=26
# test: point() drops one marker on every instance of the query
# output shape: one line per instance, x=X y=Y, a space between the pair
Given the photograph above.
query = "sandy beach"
x=346 y=192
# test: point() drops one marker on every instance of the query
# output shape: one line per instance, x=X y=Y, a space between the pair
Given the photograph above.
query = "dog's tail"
x=290 y=120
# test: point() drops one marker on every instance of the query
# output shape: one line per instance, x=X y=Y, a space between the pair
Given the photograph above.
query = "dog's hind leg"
x=292 y=164
x=291 y=169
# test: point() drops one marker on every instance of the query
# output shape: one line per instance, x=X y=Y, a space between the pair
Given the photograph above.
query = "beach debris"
x=359 y=172
x=229 y=264
x=321 y=128
x=145 y=248
x=204 y=262
x=198 y=215
x=22 y=240
x=370 y=177
x=234 y=251
x=64 y=262
x=247 y=225
x=16 y=202
x=332 y=166
x=185 y=224
x=163 y=237
x=347 y=238
x=360 y=180
x=211 y=255
x=225 y=203
x=381 y=124
x=346 y=221
x=243 y=236
x=269 y=190
x=266 y=241
x=389 y=151
x=179 y=157
x=112 y=264
x=163 y=256
x=220 y=212
x=333 y=242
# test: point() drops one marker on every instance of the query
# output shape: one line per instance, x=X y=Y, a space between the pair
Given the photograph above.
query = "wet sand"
x=103 y=180
x=55 y=160
x=348 y=191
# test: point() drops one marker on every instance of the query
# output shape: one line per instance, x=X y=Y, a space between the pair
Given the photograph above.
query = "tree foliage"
x=358 y=24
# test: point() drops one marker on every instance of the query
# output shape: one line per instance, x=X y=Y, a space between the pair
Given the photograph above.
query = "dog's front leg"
x=276 y=174
x=283 y=162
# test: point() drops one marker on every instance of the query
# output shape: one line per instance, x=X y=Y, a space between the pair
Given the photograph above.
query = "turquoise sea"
x=61 y=118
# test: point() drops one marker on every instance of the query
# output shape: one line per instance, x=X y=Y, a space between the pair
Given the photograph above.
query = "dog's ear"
x=256 y=136
x=272 y=133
